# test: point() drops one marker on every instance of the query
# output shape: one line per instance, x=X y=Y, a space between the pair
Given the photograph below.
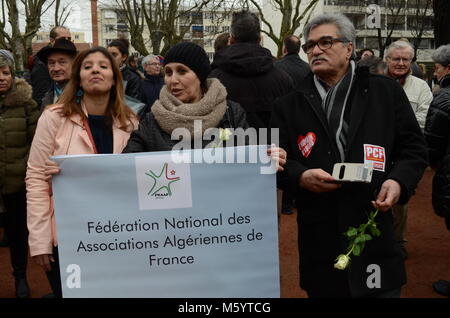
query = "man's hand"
x=318 y=180
x=388 y=195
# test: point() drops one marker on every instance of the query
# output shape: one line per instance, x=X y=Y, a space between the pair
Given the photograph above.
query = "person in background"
x=18 y=116
x=91 y=118
x=375 y=64
x=59 y=59
x=246 y=69
x=364 y=53
x=153 y=82
x=437 y=135
x=291 y=63
x=133 y=62
x=119 y=49
x=399 y=56
x=221 y=41
x=40 y=78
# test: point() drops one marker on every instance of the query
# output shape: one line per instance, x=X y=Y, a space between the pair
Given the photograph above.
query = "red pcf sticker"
x=376 y=156
x=306 y=143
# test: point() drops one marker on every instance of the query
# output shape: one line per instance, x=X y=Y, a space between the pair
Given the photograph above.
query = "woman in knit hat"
x=18 y=115
x=188 y=96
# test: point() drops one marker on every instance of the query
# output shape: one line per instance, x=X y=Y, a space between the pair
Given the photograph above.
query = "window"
x=122 y=27
x=108 y=14
x=109 y=28
x=225 y=28
x=77 y=36
x=184 y=29
x=197 y=18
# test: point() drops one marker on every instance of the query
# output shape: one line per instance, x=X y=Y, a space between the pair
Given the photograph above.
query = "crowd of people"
x=338 y=107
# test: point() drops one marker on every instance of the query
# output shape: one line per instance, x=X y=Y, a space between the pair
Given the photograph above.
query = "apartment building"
x=198 y=27
x=404 y=24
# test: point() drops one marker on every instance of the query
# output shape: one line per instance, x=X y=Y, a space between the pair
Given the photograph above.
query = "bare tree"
x=291 y=18
x=20 y=43
x=419 y=21
x=61 y=13
x=166 y=21
x=395 y=10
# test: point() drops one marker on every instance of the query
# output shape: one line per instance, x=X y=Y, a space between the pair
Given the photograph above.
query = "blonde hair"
x=117 y=110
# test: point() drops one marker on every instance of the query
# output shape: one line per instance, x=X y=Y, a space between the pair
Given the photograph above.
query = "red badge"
x=306 y=143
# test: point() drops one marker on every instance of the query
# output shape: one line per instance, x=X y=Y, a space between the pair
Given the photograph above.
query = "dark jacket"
x=150 y=137
x=380 y=115
x=437 y=133
x=151 y=86
x=48 y=98
x=40 y=80
x=132 y=82
x=18 y=118
x=247 y=72
x=293 y=65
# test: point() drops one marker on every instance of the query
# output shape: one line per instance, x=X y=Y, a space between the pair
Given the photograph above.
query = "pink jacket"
x=55 y=135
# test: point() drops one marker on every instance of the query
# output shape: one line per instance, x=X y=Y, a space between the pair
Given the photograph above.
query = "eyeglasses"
x=154 y=64
x=324 y=43
x=398 y=60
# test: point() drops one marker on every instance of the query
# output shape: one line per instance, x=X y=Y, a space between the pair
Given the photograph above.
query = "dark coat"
x=437 y=133
x=40 y=80
x=48 y=98
x=247 y=72
x=150 y=137
x=381 y=115
x=293 y=65
x=18 y=117
x=151 y=86
x=133 y=86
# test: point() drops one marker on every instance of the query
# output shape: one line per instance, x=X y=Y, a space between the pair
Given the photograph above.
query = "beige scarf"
x=171 y=113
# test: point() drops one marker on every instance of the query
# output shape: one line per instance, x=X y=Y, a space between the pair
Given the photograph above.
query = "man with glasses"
x=153 y=82
x=341 y=113
x=399 y=56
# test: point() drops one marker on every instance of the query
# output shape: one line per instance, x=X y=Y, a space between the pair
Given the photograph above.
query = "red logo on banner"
x=306 y=143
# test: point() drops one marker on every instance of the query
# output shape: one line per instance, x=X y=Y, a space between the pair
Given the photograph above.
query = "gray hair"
x=346 y=29
x=7 y=59
x=400 y=45
x=147 y=59
x=442 y=55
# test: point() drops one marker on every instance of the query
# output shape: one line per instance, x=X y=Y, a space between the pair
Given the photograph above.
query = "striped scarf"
x=334 y=103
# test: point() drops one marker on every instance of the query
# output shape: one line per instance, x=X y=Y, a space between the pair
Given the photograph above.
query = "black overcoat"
x=380 y=115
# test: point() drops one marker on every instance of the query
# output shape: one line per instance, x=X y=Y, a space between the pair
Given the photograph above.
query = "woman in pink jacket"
x=91 y=117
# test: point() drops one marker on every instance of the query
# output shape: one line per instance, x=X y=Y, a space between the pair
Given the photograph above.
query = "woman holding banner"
x=91 y=118
x=188 y=96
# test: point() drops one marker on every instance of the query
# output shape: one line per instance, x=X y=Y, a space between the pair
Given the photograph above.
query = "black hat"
x=61 y=45
x=191 y=55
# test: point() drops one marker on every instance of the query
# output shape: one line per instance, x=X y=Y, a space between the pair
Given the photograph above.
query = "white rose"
x=342 y=262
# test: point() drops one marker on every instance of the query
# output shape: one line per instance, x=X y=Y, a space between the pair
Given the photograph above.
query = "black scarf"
x=334 y=103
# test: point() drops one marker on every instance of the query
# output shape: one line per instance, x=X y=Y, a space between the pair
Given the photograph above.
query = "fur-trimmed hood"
x=19 y=94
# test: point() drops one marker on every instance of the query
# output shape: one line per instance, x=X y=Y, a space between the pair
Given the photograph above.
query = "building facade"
x=400 y=16
x=198 y=27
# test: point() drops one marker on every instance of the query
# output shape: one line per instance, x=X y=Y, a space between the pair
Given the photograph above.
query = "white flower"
x=342 y=262
x=224 y=134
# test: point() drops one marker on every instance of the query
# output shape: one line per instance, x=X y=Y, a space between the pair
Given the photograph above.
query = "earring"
x=79 y=95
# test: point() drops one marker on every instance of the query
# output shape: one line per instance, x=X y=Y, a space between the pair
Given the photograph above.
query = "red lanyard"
x=88 y=130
